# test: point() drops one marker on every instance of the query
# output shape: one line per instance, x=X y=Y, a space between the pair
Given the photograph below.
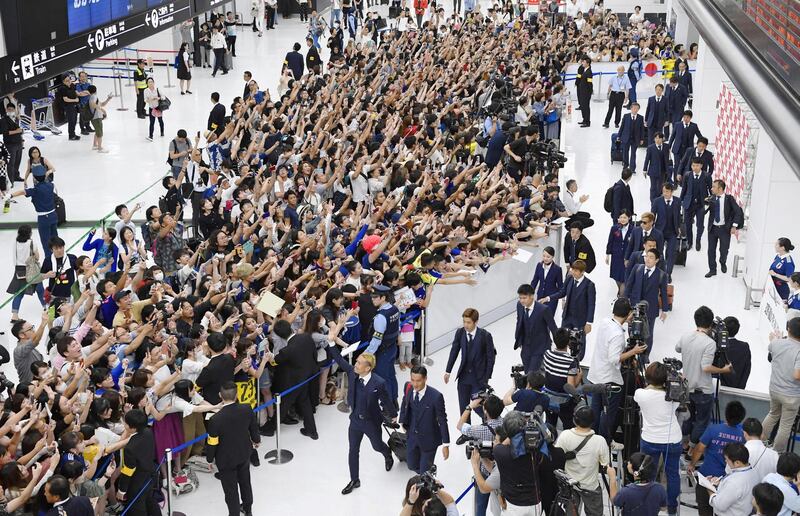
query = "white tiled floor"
x=93 y=184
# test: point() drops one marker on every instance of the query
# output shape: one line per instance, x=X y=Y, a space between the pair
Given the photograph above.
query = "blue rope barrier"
x=464 y=493
x=144 y=488
x=106 y=68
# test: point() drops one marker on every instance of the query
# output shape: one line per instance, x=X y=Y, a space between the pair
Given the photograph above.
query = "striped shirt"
x=558 y=365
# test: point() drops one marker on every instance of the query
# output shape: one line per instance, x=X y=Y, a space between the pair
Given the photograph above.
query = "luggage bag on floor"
x=616 y=148
x=398 y=443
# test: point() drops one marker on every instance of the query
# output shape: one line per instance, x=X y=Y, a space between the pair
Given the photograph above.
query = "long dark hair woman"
x=184 y=69
x=26 y=255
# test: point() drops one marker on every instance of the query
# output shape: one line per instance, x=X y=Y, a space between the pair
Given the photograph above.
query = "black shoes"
x=142 y=116
x=605 y=126
x=290 y=421
x=353 y=484
x=267 y=429
x=314 y=436
x=697 y=245
x=723 y=268
x=74 y=137
x=246 y=512
x=711 y=273
x=389 y=462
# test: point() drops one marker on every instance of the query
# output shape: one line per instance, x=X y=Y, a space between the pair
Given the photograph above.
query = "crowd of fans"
x=395 y=164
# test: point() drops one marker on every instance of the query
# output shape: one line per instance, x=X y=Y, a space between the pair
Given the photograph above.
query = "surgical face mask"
x=728 y=469
x=158 y=276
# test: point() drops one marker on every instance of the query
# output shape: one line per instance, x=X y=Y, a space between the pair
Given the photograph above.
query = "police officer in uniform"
x=369 y=398
x=140 y=83
x=385 y=331
x=137 y=466
x=232 y=435
x=583 y=84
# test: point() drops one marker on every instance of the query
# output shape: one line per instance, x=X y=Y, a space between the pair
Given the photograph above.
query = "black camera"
x=519 y=376
x=719 y=333
x=577 y=340
x=427 y=482
x=535 y=432
x=677 y=386
x=483 y=394
x=5 y=383
x=547 y=156
x=485 y=448
x=638 y=326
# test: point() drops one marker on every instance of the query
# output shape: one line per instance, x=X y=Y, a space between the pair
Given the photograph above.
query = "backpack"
x=171 y=146
x=608 y=200
x=177 y=61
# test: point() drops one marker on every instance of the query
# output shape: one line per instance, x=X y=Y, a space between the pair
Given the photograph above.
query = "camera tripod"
x=567 y=502
x=632 y=378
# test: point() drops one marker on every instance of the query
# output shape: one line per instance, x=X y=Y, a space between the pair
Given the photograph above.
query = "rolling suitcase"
x=61 y=210
x=683 y=248
x=228 y=61
x=398 y=443
x=616 y=148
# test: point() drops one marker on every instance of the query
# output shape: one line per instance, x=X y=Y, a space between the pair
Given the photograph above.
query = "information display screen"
x=86 y=15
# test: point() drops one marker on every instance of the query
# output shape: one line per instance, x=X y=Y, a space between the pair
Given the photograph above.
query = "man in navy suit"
x=535 y=326
x=699 y=152
x=677 y=95
x=370 y=404
x=695 y=188
x=667 y=210
x=684 y=76
x=631 y=134
x=683 y=135
x=656 y=116
x=579 y=296
x=637 y=258
x=649 y=283
x=656 y=164
x=641 y=232
x=477 y=358
x=422 y=415
x=724 y=218
x=622 y=198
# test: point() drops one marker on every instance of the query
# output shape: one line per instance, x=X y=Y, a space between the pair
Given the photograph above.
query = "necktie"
x=633 y=118
x=527 y=312
x=649 y=273
x=717 y=209
x=669 y=203
x=416 y=396
x=645 y=234
x=659 y=148
x=658 y=99
x=685 y=126
x=469 y=339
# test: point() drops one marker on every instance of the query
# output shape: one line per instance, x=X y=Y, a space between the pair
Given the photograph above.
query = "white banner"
x=773 y=312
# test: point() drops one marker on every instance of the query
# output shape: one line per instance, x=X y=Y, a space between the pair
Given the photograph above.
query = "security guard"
x=232 y=435
x=618 y=89
x=583 y=84
x=137 y=467
x=140 y=83
x=385 y=331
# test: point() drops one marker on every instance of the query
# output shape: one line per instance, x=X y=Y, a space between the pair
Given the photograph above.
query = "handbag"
x=164 y=103
x=551 y=117
x=33 y=272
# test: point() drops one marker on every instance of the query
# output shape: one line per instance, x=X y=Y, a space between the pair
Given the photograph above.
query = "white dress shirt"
x=609 y=346
x=763 y=460
x=572 y=202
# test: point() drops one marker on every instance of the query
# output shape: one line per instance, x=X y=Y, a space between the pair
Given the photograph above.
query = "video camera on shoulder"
x=535 y=431
x=483 y=394
x=719 y=333
x=638 y=326
x=577 y=340
x=519 y=376
x=677 y=386
x=427 y=482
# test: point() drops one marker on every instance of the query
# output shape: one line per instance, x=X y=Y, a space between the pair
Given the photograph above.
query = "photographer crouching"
x=699 y=355
x=481 y=436
x=425 y=497
x=661 y=432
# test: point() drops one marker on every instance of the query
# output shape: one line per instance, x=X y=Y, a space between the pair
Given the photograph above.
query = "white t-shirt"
x=190 y=369
x=609 y=345
x=584 y=467
x=659 y=423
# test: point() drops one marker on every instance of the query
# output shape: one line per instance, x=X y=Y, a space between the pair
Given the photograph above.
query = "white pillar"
x=708 y=77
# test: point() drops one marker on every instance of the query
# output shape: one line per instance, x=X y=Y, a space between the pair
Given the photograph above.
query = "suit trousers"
x=531 y=359
x=384 y=367
x=695 y=213
x=655 y=186
x=233 y=481
x=651 y=321
x=140 y=102
x=670 y=251
x=358 y=429
x=585 y=105
x=145 y=505
x=629 y=155
x=419 y=460
x=466 y=388
x=718 y=235
x=300 y=400
x=615 y=101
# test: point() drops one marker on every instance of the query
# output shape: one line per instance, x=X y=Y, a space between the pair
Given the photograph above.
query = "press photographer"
x=585 y=452
x=519 y=153
x=481 y=436
x=515 y=473
x=643 y=497
x=527 y=391
x=425 y=497
x=609 y=354
x=660 y=432
x=560 y=368
x=698 y=351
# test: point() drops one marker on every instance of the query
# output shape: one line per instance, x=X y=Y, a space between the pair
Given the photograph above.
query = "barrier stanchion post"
x=169 y=80
x=343 y=406
x=121 y=94
x=278 y=456
x=423 y=346
x=169 y=481
x=114 y=74
x=127 y=66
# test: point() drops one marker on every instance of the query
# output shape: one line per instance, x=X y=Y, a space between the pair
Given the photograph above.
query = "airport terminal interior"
x=741 y=97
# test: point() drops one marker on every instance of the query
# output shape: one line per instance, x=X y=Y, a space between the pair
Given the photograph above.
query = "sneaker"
x=74 y=137
x=148 y=138
x=102 y=151
x=188 y=92
x=615 y=446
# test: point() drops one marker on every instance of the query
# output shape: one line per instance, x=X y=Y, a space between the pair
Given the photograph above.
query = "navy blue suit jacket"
x=685 y=79
x=656 y=163
x=637 y=258
x=685 y=165
x=659 y=209
x=579 y=303
x=427 y=425
x=481 y=357
x=534 y=331
x=631 y=132
x=656 y=113
x=732 y=211
x=622 y=199
x=639 y=288
x=676 y=101
x=682 y=138
x=547 y=284
x=690 y=196
x=636 y=241
x=377 y=401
